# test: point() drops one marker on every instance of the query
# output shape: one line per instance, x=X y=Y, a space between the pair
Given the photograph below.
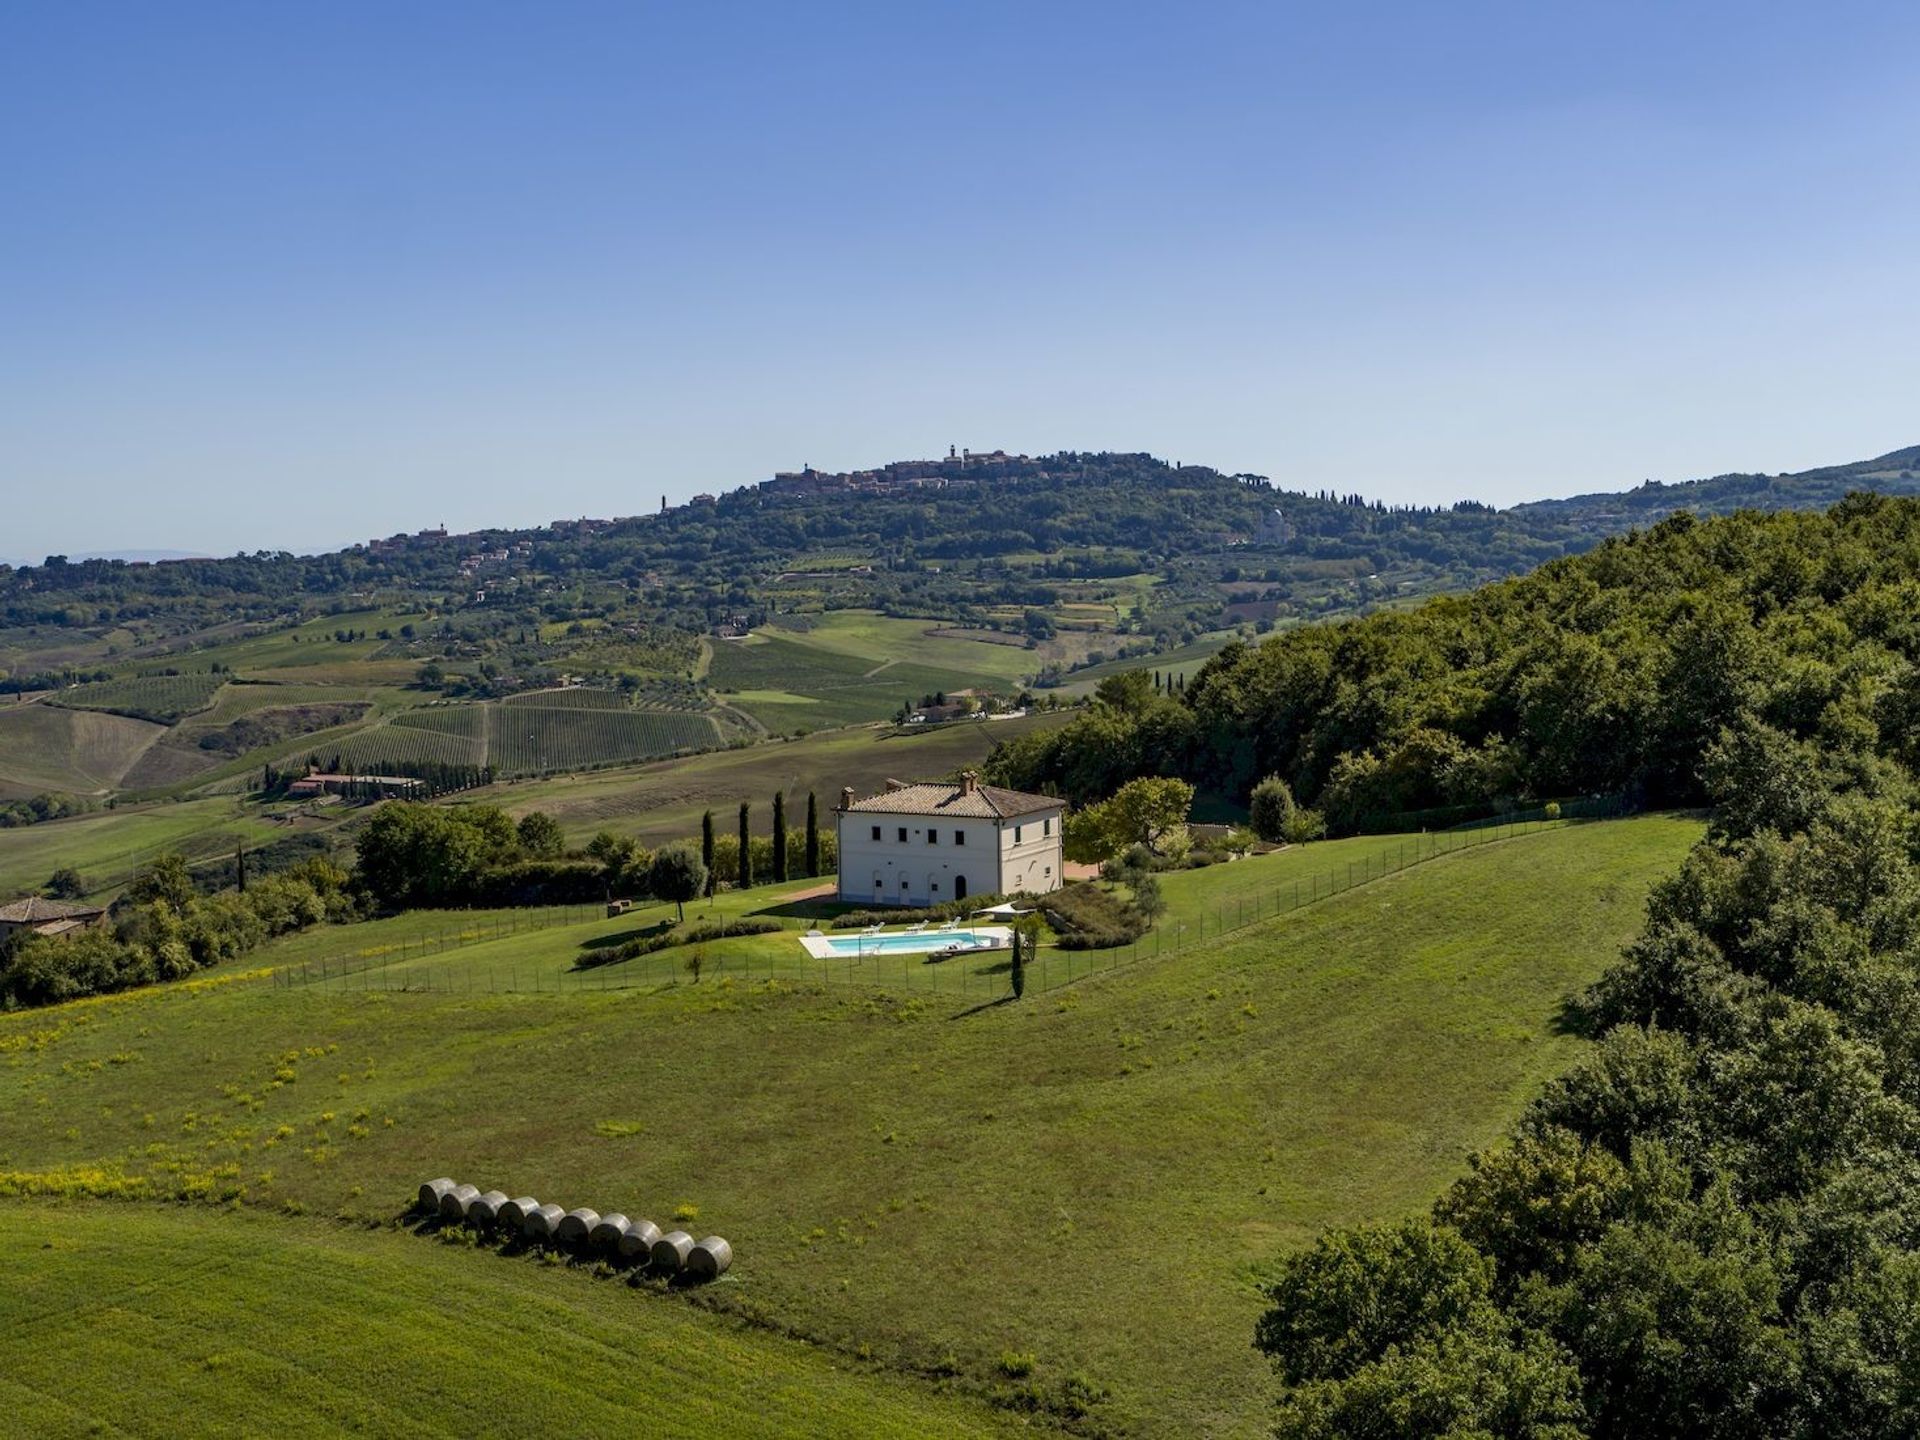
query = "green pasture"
x=663 y=800
x=77 y=752
x=243 y=1325
x=108 y=847
x=920 y=1184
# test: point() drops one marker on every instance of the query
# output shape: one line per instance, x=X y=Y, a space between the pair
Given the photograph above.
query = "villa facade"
x=927 y=843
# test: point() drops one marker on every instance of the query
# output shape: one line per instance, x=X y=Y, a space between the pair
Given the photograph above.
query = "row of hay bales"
x=637 y=1242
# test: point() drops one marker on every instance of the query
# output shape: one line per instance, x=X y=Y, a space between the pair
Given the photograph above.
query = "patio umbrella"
x=1005 y=910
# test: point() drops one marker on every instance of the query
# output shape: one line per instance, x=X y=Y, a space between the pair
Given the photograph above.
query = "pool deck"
x=822 y=947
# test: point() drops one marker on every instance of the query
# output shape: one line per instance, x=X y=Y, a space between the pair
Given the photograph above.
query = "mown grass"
x=142 y=1320
x=1098 y=1176
x=79 y=752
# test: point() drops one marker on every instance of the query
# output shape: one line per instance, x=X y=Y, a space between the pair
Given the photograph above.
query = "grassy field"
x=266 y=1325
x=108 y=847
x=850 y=666
x=1099 y=1176
x=663 y=801
x=79 y=752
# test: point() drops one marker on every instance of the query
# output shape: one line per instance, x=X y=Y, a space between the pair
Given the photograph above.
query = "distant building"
x=47 y=917
x=315 y=782
x=929 y=842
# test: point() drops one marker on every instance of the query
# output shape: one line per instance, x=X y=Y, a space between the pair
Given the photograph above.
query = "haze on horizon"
x=285 y=280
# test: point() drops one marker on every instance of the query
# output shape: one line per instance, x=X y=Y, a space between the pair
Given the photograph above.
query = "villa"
x=929 y=842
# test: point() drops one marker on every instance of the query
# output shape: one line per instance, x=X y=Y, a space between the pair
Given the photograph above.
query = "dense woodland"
x=1613 y=672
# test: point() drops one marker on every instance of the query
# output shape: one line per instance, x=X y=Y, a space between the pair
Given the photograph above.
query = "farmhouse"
x=47 y=917
x=316 y=782
x=924 y=843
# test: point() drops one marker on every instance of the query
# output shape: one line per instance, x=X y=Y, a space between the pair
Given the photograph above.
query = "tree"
x=1018 y=972
x=779 y=837
x=706 y=848
x=66 y=883
x=745 y=861
x=541 y=836
x=168 y=879
x=677 y=874
x=430 y=676
x=1269 y=808
x=1151 y=811
x=813 y=835
x=240 y=868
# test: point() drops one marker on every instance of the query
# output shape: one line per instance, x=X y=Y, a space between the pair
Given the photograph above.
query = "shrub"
x=669 y=934
x=1304 y=825
x=1087 y=917
x=1270 y=808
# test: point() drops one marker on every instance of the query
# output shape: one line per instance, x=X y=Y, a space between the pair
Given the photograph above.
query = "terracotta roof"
x=985 y=802
x=35 y=910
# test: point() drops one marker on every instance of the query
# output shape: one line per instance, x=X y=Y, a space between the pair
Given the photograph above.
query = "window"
x=1016 y=834
x=933 y=836
x=876 y=832
x=903 y=834
x=959 y=837
x=1046 y=826
x=933 y=887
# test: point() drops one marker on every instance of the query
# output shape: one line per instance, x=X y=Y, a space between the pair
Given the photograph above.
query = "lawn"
x=1099 y=1175
x=259 y=1325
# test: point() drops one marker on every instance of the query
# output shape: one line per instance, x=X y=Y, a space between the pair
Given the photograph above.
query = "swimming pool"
x=902 y=942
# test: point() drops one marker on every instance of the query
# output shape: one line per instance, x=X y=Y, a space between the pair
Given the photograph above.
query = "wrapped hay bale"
x=541 y=1222
x=431 y=1194
x=606 y=1234
x=637 y=1243
x=513 y=1214
x=709 y=1259
x=670 y=1251
x=484 y=1212
x=576 y=1225
x=453 y=1204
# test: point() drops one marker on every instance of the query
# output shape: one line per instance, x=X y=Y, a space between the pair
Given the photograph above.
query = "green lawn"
x=255 y=1325
x=1099 y=1175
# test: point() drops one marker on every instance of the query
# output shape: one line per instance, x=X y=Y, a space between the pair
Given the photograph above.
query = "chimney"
x=846 y=797
x=969 y=781
x=893 y=785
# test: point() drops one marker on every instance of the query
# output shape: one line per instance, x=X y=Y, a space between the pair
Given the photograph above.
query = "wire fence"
x=980 y=975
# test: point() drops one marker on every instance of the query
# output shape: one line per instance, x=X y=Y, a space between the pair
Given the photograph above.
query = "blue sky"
x=287 y=276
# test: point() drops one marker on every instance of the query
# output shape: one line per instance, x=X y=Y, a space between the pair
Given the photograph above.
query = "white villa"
x=921 y=844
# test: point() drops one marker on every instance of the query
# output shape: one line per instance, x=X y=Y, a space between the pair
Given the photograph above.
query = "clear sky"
x=280 y=275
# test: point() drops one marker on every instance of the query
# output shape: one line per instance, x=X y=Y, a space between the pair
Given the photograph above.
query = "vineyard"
x=163 y=699
x=521 y=738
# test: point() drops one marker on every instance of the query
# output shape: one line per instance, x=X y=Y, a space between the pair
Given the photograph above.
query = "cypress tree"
x=813 y=835
x=746 y=851
x=1018 y=971
x=706 y=849
x=779 y=837
x=240 y=866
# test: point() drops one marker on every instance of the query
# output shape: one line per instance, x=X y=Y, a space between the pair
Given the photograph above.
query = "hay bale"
x=637 y=1243
x=575 y=1226
x=606 y=1235
x=709 y=1259
x=513 y=1214
x=670 y=1251
x=432 y=1192
x=484 y=1212
x=453 y=1204
x=541 y=1222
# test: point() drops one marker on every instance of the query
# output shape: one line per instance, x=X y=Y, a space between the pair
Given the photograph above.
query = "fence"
x=983 y=976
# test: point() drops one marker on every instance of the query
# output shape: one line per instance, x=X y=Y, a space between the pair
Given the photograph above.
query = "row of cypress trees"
x=744 y=878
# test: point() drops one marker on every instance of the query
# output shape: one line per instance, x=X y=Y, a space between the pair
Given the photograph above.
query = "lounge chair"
x=917 y=928
x=872 y=930
x=948 y=928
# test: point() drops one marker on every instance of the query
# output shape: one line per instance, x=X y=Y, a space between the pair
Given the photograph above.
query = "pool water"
x=899 y=942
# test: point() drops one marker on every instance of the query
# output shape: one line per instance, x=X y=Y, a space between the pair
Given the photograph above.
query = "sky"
x=285 y=277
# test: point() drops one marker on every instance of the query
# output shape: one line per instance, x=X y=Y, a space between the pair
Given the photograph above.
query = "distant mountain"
x=1896 y=473
x=131 y=557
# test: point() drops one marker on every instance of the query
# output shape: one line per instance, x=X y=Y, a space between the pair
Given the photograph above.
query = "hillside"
x=805 y=603
x=1098 y=1176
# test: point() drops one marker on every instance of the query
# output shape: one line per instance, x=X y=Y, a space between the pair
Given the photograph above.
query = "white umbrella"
x=1005 y=910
